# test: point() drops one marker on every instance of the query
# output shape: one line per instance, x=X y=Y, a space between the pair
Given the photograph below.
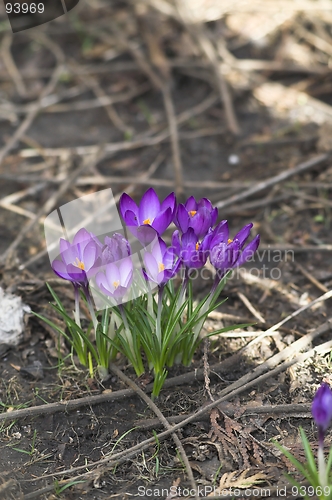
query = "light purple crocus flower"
x=201 y=216
x=79 y=258
x=150 y=212
x=322 y=409
x=115 y=248
x=227 y=253
x=117 y=279
x=193 y=253
x=161 y=264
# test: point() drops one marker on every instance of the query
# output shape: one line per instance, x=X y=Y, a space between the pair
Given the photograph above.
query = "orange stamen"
x=229 y=241
x=192 y=212
x=197 y=246
x=78 y=263
x=161 y=267
x=147 y=221
x=116 y=284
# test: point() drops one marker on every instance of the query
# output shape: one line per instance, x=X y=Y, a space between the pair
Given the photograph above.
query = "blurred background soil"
x=231 y=101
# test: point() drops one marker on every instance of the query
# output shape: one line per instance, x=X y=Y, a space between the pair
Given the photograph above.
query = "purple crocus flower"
x=115 y=248
x=117 y=279
x=226 y=253
x=150 y=212
x=322 y=409
x=201 y=216
x=161 y=264
x=193 y=253
x=79 y=258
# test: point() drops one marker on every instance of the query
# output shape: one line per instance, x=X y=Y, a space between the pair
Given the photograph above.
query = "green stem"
x=77 y=306
x=126 y=327
x=184 y=286
x=90 y=306
x=160 y=305
x=322 y=472
x=150 y=307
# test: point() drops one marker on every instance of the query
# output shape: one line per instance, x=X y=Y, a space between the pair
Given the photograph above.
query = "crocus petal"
x=176 y=267
x=69 y=253
x=220 y=233
x=89 y=255
x=204 y=202
x=234 y=249
x=158 y=249
x=162 y=245
x=112 y=275
x=162 y=220
x=182 y=218
x=60 y=269
x=189 y=238
x=168 y=258
x=249 y=251
x=145 y=234
x=105 y=289
x=191 y=204
x=119 y=292
x=76 y=274
x=169 y=201
x=151 y=265
x=242 y=235
x=101 y=280
x=206 y=242
x=214 y=216
x=130 y=218
x=123 y=245
x=224 y=256
x=126 y=271
x=176 y=244
x=64 y=245
x=82 y=237
x=201 y=222
x=149 y=206
x=127 y=203
x=115 y=248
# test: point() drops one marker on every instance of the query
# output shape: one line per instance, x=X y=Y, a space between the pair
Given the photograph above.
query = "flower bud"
x=322 y=407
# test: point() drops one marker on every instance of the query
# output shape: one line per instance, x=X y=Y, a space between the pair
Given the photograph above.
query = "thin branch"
x=20 y=131
x=11 y=66
x=197 y=31
x=260 y=186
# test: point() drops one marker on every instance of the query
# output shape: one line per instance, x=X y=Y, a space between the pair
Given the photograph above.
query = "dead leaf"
x=232 y=480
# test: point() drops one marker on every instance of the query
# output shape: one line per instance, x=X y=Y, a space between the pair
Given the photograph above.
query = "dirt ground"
x=225 y=100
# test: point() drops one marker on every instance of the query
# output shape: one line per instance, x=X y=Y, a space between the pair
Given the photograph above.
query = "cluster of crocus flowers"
x=166 y=326
x=195 y=240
